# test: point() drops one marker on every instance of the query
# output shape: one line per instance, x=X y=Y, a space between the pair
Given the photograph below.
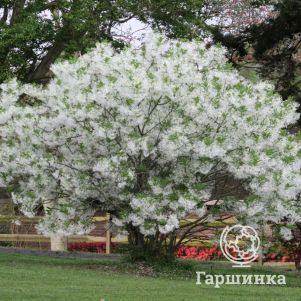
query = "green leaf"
x=200 y=186
x=129 y=101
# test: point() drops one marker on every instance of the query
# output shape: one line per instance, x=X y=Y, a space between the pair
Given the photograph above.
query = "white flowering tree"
x=148 y=135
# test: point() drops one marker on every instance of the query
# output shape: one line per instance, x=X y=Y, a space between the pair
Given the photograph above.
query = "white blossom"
x=145 y=134
x=286 y=233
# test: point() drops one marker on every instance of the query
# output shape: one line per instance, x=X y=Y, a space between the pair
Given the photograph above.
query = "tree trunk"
x=41 y=73
x=143 y=247
x=298 y=261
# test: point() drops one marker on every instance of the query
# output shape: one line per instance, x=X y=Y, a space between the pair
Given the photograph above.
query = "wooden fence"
x=107 y=238
x=37 y=238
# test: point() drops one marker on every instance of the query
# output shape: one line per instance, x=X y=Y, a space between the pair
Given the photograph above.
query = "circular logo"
x=240 y=244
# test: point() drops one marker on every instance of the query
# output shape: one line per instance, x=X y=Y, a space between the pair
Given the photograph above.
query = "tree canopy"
x=34 y=34
x=150 y=135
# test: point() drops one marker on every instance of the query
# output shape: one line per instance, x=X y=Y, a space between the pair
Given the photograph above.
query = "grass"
x=30 y=278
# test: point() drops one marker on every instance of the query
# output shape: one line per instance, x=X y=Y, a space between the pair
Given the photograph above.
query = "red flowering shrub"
x=279 y=257
x=199 y=253
x=94 y=247
x=184 y=252
x=214 y=253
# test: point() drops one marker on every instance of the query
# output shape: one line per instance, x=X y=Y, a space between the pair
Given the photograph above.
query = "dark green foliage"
x=33 y=34
x=274 y=45
x=285 y=25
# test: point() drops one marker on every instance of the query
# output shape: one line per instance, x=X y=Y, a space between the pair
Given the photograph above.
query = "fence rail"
x=8 y=218
x=37 y=238
x=42 y=238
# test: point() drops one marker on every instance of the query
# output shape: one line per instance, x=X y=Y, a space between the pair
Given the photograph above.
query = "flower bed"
x=194 y=252
x=274 y=257
x=214 y=253
x=184 y=252
x=94 y=247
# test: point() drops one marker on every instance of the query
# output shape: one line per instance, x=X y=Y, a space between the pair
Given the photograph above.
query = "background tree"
x=270 y=45
x=34 y=34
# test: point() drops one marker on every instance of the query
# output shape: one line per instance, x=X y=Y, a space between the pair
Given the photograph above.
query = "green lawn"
x=29 y=278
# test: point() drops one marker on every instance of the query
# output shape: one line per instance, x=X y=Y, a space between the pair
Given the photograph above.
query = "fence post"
x=260 y=257
x=58 y=243
x=108 y=234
